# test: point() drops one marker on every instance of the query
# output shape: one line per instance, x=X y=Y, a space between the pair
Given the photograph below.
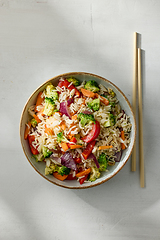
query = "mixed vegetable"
x=77 y=129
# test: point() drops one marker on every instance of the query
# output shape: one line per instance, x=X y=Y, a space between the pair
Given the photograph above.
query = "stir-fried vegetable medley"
x=77 y=129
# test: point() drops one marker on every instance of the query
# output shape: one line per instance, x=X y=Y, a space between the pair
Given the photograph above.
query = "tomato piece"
x=93 y=134
x=33 y=149
x=77 y=160
x=70 y=86
x=81 y=181
x=87 y=151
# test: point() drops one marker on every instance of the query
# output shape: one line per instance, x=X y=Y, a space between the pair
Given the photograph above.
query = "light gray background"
x=41 y=39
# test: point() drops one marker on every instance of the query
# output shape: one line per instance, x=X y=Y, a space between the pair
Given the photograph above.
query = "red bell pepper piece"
x=87 y=151
x=72 y=141
x=81 y=181
x=77 y=160
x=33 y=149
x=70 y=177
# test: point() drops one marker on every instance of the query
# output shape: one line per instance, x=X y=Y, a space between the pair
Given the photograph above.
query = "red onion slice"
x=118 y=156
x=69 y=101
x=87 y=112
x=64 y=109
x=91 y=156
x=68 y=161
x=57 y=159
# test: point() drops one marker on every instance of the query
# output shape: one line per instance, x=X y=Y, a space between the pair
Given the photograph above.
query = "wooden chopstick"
x=134 y=104
x=140 y=113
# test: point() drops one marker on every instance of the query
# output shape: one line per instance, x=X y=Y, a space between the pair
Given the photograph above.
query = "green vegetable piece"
x=92 y=86
x=61 y=138
x=110 y=121
x=51 y=169
x=49 y=106
x=51 y=92
x=94 y=174
x=112 y=118
x=75 y=81
x=103 y=162
x=107 y=123
x=56 y=110
x=86 y=119
x=33 y=122
x=46 y=152
x=39 y=157
x=94 y=104
x=63 y=170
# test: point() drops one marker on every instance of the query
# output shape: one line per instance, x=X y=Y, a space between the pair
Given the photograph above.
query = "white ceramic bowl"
x=113 y=170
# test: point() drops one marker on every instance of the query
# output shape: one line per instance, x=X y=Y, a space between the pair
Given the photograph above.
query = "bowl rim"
x=64 y=75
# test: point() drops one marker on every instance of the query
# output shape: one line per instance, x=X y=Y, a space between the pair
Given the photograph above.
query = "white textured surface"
x=41 y=39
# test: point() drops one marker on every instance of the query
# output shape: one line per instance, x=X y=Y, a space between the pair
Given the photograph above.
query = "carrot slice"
x=27 y=130
x=59 y=177
x=87 y=93
x=123 y=138
x=83 y=173
x=63 y=125
x=102 y=99
x=37 y=118
x=48 y=131
x=39 y=101
x=74 y=117
x=64 y=146
x=75 y=146
x=104 y=147
x=70 y=136
x=40 y=112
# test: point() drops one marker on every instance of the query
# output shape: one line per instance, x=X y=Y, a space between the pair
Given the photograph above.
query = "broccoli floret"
x=86 y=119
x=94 y=104
x=94 y=174
x=51 y=92
x=111 y=92
x=49 y=106
x=92 y=86
x=39 y=157
x=110 y=121
x=33 y=122
x=56 y=110
x=63 y=170
x=75 y=81
x=52 y=168
x=46 y=152
x=103 y=162
x=61 y=138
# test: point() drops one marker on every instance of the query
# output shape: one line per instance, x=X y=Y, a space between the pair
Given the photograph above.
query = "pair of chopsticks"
x=137 y=83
